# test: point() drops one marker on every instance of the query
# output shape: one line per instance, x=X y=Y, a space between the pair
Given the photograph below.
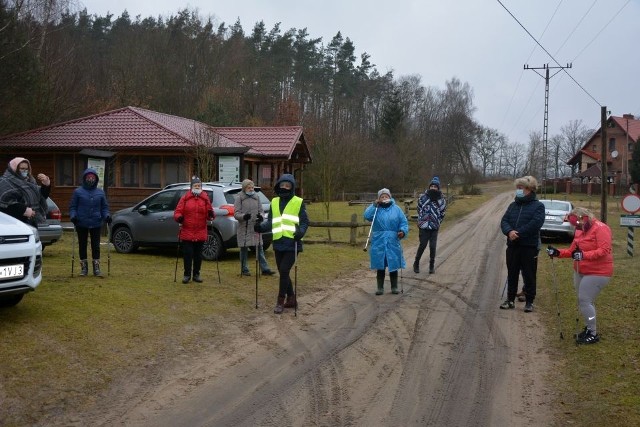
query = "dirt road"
x=439 y=354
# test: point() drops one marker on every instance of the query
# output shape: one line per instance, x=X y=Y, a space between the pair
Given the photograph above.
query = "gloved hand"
x=552 y=252
x=577 y=254
x=180 y=219
x=211 y=215
x=259 y=218
x=298 y=235
x=400 y=234
x=246 y=216
x=256 y=227
x=108 y=219
x=74 y=220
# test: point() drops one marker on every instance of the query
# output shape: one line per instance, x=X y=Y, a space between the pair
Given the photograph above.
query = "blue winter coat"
x=385 y=249
x=89 y=204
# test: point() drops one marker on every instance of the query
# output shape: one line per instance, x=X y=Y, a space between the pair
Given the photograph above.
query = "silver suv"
x=151 y=223
x=20 y=260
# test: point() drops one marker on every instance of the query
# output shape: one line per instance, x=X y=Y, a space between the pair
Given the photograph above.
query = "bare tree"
x=574 y=135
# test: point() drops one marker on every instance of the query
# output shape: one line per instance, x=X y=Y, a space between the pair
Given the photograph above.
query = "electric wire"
x=576 y=27
x=549 y=54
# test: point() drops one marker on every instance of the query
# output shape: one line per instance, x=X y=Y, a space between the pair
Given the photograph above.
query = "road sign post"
x=631 y=204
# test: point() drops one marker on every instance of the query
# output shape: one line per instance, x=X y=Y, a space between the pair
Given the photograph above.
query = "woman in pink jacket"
x=192 y=213
x=592 y=264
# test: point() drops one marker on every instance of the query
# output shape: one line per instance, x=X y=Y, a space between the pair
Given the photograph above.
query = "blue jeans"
x=244 y=258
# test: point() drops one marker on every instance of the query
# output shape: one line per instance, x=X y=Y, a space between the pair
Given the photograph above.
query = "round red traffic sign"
x=631 y=203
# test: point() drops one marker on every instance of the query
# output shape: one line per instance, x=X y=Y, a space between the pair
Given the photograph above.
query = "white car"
x=20 y=260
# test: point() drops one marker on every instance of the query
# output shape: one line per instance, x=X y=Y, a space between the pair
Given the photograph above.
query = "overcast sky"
x=476 y=41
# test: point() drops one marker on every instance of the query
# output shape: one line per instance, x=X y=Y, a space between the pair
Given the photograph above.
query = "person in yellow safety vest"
x=288 y=221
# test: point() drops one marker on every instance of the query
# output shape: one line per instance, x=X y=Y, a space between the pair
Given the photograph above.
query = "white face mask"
x=196 y=192
x=519 y=192
x=24 y=174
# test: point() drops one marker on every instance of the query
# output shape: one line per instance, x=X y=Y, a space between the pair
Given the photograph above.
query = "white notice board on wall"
x=98 y=166
x=229 y=168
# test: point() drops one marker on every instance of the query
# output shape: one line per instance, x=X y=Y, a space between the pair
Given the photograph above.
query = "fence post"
x=354 y=229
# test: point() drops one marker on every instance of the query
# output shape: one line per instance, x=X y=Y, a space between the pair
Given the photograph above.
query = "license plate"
x=549 y=218
x=11 y=271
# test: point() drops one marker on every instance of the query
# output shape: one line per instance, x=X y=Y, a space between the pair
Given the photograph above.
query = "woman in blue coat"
x=87 y=211
x=388 y=226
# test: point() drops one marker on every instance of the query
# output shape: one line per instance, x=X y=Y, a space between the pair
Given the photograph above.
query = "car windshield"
x=556 y=205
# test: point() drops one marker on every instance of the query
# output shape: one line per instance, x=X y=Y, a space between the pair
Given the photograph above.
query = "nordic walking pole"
x=73 y=249
x=505 y=286
x=370 y=228
x=175 y=272
x=257 y=270
x=108 y=249
x=295 y=277
x=555 y=287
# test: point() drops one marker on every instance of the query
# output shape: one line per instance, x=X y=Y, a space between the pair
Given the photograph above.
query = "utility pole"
x=603 y=161
x=545 y=132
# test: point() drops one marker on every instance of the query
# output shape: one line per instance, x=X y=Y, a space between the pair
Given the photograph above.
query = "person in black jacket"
x=21 y=196
x=521 y=223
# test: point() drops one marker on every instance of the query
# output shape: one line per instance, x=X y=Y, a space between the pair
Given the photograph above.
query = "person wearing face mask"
x=521 y=223
x=193 y=211
x=389 y=226
x=432 y=207
x=592 y=254
x=21 y=196
x=88 y=209
x=247 y=207
x=288 y=221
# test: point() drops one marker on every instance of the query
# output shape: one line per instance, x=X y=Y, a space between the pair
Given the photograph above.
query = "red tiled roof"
x=633 y=126
x=265 y=141
x=128 y=127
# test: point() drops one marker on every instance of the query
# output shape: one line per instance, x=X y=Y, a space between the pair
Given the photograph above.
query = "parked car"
x=151 y=223
x=51 y=231
x=555 y=225
x=20 y=260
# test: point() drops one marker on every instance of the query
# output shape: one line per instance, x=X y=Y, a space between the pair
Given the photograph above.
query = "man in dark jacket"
x=521 y=223
x=288 y=221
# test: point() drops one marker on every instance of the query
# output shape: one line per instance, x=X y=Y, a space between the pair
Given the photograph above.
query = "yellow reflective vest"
x=284 y=224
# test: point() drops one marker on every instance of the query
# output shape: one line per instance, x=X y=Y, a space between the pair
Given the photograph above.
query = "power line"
x=549 y=54
x=576 y=27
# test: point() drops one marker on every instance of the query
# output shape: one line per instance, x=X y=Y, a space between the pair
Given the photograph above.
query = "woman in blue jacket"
x=88 y=209
x=389 y=225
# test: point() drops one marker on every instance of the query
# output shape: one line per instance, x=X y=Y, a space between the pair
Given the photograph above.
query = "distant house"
x=141 y=151
x=622 y=135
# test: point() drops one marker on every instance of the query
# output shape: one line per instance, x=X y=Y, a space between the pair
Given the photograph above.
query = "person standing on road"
x=20 y=195
x=389 y=225
x=431 y=210
x=87 y=211
x=521 y=223
x=192 y=213
x=288 y=221
x=247 y=207
x=592 y=256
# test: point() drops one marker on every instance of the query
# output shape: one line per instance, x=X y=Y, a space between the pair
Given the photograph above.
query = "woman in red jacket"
x=192 y=213
x=592 y=264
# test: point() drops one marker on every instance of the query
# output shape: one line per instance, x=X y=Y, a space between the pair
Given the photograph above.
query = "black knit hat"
x=195 y=180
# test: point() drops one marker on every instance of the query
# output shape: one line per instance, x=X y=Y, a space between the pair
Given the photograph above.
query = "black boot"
x=96 y=268
x=84 y=267
x=432 y=266
x=380 y=282
x=416 y=266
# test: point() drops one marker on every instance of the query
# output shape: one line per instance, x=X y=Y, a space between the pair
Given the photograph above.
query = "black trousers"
x=522 y=259
x=83 y=234
x=427 y=237
x=192 y=255
x=284 y=262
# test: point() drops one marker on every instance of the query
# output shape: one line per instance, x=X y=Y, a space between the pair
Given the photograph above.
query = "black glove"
x=108 y=219
x=552 y=252
x=74 y=220
x=298 y=235
x=256 y=227
x=259 y=218
x=180 y=219
x=211 y=215
x=246 y=216
x=577 y=254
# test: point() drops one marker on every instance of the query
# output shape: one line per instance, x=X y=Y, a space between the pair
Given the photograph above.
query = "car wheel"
x=122 y=240
x=212 y=248
x=11 y=300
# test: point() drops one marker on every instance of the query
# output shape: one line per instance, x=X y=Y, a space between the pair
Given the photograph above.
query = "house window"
x=151 y=167
x=129 y=169
x=612 y=144
x=175 y=170
x=264 y=175
x=64 y=171
x=594 y=148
